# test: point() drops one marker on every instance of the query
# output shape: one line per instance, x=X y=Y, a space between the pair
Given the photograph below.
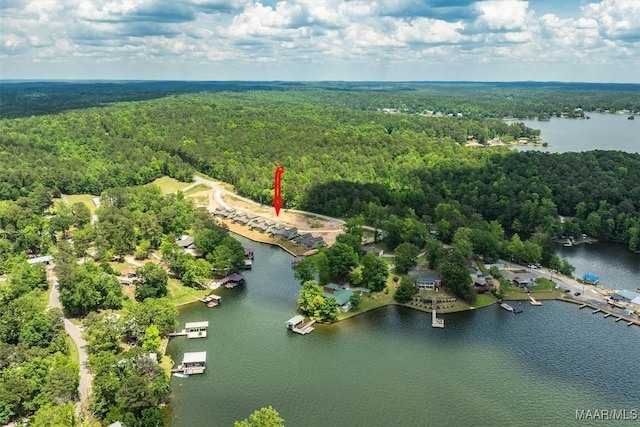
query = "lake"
x=584 y=135
x=615 y=265
x=388 y=367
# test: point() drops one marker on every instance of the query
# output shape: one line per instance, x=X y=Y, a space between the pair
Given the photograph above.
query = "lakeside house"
x=186 y=242
x=261 y=225
x=428 y=282
x=308 y=241
x=284 y=232
x=499 y=266
x=341 y=295
x=224 y=212
x=521 y=279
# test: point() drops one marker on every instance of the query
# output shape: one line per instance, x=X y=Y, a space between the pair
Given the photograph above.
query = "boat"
x=179 y=375
x=506 y=306
x=632 y=117
x=568 y=243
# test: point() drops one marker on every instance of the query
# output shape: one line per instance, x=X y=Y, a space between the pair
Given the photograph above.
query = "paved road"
x=75 y=333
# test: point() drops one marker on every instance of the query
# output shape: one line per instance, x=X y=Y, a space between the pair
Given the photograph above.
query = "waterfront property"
x=342 y=296
x=522 y=279
x=192 y=363
x=428 y=282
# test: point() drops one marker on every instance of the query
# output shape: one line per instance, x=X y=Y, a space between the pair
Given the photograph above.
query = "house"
x=480 y=285
x=331 y=288
x=366 y=249
x=428 y=282
x=625 y=296
x=186 y=242
x=284 y=232
x=261 y=225
x=308 y=241
x=342 y=297
x=45 y=259
x=521 y=279
x=363 y=291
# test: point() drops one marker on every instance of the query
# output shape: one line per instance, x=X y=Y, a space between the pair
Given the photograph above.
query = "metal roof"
x=295 y=320
x=204 y=324
x=196 y=357
x=627 y=294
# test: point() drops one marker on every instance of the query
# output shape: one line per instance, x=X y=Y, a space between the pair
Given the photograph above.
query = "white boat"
x=506 y=306
x=179 y=375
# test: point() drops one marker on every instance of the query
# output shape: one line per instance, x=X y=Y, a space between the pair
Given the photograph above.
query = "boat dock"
x=299 y=326
x=435 y=321
x=193 y=330
x=211 y=300
x=533 y=301
x=607 y=313
x=192 y=363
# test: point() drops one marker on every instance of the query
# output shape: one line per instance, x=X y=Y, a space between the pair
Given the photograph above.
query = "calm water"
x=390 y=368
x=615 y=265
x=594 y=134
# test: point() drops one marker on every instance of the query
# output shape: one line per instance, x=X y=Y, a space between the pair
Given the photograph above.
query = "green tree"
x=55 y=416
x=305 y=269
x=406 y=290
x=456 y=277
x=264 y=417
x=81 y=214
x=355 y=300
x=374 y=272
x=342 y=259
x=310 y=296
x=152 y=282
x=151 y=341
x=406 y=257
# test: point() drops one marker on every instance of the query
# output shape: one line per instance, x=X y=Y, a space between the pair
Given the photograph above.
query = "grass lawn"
x=545 y=290
x=87 y=199
x=169 y=185
x=181 y=294
x=484 y=300
x=375 y=300
x=166 y=364
x=196 y=189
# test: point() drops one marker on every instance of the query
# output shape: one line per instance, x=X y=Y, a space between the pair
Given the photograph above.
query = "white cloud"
x=379 y=37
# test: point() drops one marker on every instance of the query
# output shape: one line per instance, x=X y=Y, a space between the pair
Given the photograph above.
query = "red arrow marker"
x=277 y=198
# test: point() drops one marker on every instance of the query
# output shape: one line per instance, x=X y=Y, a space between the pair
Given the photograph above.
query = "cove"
x=389 y=367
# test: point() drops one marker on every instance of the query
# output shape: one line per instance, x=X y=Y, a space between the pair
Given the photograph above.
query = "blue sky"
x=496 y=40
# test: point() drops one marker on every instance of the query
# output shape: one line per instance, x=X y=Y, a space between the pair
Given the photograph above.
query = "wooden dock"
x=304 y=328
x=435 y=322
x=533 y=301
x=607 y=313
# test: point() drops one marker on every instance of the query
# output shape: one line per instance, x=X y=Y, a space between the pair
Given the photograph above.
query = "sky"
x=311 y=40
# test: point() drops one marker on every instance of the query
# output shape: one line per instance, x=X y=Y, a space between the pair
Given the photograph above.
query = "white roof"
x=204 y=324
x=636 y=300
x=199 y=356
x=45 y=258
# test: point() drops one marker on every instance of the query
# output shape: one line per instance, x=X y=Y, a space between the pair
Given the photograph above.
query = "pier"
x=192 y=363
x=299 y=326
x=211 y=300
x=607 y=313
x=435 y=322
x=533 y=301
x=193 y=330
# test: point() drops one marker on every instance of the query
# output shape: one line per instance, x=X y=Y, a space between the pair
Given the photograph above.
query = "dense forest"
x=342 y=156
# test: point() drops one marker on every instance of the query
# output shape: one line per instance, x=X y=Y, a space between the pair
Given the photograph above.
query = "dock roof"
x=590 y=277
x=203 y=324
x=195 y=357
x=295 y=320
